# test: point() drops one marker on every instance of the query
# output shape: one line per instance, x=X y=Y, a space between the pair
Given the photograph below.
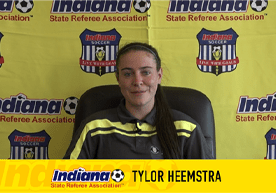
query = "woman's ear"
x=117 y=76
x=160 y=75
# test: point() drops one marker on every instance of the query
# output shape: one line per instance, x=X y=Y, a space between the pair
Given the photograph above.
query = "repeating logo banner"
x=99 y=50
x=29 y=145
x=91 y=6
x=217 y=51
x=40 y=85
x=208 y=6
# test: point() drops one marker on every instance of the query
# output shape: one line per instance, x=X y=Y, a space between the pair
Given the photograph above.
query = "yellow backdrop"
x=51 y=53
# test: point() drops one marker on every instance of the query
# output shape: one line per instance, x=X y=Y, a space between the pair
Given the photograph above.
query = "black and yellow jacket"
x=116 y=134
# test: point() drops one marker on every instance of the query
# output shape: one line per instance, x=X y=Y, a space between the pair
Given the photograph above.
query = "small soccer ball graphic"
x=117 y=175
x=258 y=5
x=141 y=6
x=24 y=6
x=21 y=97
x=70 y=105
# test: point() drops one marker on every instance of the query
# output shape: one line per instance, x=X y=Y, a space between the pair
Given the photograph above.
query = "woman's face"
x=138 y=78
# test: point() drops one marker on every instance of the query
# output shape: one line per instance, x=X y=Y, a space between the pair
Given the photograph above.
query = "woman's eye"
x=146 y=72
x=127 y=74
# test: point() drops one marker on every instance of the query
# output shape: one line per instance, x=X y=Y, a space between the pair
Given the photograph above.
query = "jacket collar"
x=126 y=117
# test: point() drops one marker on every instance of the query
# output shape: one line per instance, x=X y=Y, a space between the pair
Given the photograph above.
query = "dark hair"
x=164 y=122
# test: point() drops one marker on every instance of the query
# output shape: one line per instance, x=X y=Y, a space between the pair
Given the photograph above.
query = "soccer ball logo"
x=141 y=6
x=258 y=5
x=117 y=175
x=24 y=6
x=70 y=105
x=29 y=153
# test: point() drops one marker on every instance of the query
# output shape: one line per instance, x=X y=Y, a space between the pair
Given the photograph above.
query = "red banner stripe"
x=217 y=62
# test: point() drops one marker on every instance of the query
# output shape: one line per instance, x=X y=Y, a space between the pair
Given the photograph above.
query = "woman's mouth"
x=138 y=92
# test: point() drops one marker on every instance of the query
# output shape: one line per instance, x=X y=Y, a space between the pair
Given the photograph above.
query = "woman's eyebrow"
x=142 y=68
x=126 y=69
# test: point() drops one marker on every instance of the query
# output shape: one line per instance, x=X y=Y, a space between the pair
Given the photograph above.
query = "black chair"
x=190 y=101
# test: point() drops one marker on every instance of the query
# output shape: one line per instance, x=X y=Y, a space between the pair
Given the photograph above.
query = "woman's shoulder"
x=110 y=114
x=181 y=116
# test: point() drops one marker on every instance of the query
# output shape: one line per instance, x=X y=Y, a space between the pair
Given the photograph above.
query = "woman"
x=143 y=126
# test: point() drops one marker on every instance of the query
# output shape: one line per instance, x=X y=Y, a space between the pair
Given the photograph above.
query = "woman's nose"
x=138 y=80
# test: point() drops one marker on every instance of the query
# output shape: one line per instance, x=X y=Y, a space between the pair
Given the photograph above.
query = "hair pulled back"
x=164 y=122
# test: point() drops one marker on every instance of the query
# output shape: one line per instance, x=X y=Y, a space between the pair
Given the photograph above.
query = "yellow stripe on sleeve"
x=184 y=125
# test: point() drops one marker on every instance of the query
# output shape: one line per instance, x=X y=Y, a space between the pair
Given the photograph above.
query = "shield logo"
x=29 y=145
x=271 y=143
x=217 y=51
x=99 y=51
x=1 y=57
